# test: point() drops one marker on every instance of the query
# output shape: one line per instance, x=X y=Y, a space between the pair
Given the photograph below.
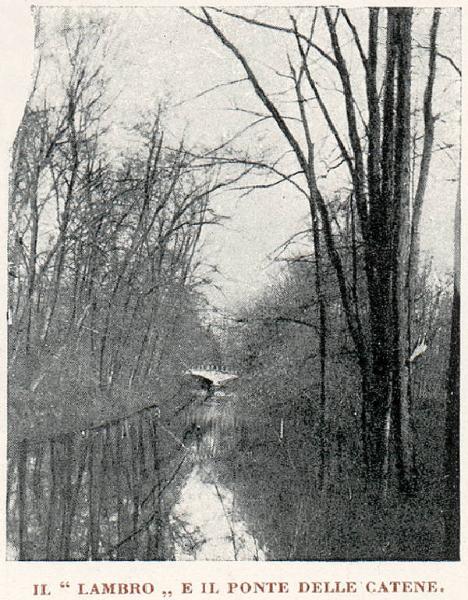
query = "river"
x=207 y=522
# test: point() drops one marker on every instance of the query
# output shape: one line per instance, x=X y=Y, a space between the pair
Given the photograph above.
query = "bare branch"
x=209 y=90
x=356 y=37
x=276 y=28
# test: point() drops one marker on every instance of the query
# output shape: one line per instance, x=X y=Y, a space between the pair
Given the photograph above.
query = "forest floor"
x=207 y=520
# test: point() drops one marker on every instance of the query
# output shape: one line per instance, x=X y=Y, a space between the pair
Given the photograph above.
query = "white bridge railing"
x=216 y=375
x=213 y=368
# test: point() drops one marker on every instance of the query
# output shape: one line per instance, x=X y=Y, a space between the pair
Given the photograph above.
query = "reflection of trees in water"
x=214 y=419
x=206 y=523
x=186 y=538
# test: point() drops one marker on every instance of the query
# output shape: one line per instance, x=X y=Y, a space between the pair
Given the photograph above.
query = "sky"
x=163 y=53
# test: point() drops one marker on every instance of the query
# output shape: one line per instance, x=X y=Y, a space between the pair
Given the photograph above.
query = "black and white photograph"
x=234 y=285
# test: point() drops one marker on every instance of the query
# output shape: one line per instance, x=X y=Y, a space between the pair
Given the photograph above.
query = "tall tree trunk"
x=377 y=384
x=452 y=419
x=322 y=344
x=318 y=257
x=401 y=409
x=414 y=215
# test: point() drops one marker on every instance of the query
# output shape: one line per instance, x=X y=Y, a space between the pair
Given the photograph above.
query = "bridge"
x=212 y=376
x=210 y=415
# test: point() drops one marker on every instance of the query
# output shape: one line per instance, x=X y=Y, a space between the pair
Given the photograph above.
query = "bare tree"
x=380 y=178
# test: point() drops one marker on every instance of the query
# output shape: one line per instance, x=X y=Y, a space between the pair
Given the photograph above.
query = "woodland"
x=343 y=436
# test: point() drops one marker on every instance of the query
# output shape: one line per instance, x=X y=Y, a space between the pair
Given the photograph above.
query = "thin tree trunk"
x=66 y=474
x=93 y=482
x=416 y=211
x=74 y=497
x=119 y=490
x=52 y=502
x=318 y=275
x=22 y=510
x=452 y=422
x=322 y=342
